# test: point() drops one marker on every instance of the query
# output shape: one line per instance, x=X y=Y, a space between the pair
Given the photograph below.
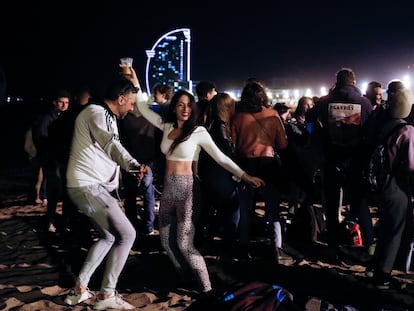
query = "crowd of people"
x=211 y=159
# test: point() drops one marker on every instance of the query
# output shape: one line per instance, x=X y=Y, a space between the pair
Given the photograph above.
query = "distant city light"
x=407 y=81
x=169 y=62
x=11 y=100
x=269 y=94
x=296 y=94
x=232 y=94
x=364 y=87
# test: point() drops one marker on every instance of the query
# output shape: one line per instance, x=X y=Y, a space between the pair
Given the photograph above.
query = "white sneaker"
x=114 y=302
x=73 y=299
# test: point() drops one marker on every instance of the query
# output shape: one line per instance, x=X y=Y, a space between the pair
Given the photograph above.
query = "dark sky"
x=52 y=44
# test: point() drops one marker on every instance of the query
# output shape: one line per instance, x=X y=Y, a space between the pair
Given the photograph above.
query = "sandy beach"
x=37 y=268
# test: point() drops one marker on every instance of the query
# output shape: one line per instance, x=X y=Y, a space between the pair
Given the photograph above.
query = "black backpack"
x=379 y=170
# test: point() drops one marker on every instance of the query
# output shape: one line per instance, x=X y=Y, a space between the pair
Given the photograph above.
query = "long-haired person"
x=180 y=205
x=259 y=134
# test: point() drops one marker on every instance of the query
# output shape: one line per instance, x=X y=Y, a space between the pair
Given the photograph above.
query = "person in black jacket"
x=60 y=140
x=46 y=149
x=342 y=114
x=219 y=190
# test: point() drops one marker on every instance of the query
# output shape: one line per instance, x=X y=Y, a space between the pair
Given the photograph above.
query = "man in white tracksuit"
x=93 y=173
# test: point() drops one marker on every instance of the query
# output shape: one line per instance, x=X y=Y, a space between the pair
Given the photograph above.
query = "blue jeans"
x=270 y=194
x=146 y=189
x=220 y=195
x=117 y=235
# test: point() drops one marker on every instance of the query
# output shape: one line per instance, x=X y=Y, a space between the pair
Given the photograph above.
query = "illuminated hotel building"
x=169 y=61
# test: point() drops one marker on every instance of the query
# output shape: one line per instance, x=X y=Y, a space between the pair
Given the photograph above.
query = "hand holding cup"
x=126 y=64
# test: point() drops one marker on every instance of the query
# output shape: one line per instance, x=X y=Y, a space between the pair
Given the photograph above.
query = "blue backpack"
x=255 y=295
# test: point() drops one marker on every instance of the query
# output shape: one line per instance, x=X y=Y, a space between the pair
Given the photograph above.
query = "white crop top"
x=188 y=150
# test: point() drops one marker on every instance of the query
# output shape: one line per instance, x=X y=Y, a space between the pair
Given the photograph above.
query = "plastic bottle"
x=355 y=232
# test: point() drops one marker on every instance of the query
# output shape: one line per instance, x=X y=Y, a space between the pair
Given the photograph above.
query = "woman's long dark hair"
x=302 y=107
x=253 y=98
x=190 y=125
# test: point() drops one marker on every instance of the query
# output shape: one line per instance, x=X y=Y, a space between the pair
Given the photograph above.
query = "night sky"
x=51 y=44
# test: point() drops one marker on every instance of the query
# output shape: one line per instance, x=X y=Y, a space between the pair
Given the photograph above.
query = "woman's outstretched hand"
x=255 y=182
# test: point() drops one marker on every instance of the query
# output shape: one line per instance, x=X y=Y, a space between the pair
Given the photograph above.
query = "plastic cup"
x=127 y=61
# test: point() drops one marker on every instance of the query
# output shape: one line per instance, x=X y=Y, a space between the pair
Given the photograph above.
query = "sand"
x=37 y=268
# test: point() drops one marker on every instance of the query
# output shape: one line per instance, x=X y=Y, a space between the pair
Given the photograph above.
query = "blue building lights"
x=169 y=61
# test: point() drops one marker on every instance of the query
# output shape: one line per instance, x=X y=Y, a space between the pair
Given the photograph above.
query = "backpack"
x=379 y=170
x=307 y=224
x=254 y=295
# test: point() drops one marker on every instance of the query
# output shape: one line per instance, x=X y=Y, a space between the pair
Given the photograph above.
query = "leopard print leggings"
x=180 y=210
